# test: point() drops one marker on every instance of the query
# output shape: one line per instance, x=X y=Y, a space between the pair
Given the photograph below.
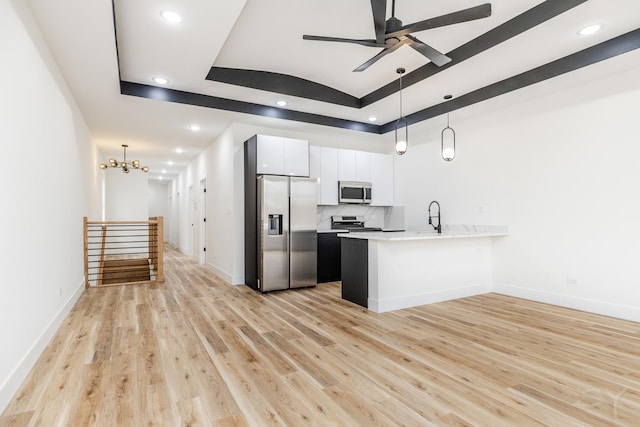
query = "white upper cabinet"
x=362 y=166
x=354 y=165
x=346 y=165
x=381 y=167
x=270 y=155
x=323 y=166
x=328 y=177
x=296 y=157
x=282 y=156
x=315 y=161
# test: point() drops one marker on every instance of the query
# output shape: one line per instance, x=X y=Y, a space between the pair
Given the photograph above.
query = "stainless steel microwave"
x=354 y=192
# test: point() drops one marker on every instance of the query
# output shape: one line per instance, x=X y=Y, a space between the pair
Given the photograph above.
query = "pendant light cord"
x=400 y=95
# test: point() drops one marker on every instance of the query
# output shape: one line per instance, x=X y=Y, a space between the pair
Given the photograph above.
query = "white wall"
x=562 y=171
x=49 y=182
x=159 y=204
x=126 y=195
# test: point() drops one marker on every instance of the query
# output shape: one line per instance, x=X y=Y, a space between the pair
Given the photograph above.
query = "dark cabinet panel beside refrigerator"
x=328 y=257
x=280 y=229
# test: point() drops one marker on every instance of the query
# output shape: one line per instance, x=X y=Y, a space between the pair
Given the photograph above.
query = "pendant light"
x=448 y=139
x=402 y=142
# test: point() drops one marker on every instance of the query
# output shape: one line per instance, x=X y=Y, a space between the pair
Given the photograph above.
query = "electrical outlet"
x=572 y=280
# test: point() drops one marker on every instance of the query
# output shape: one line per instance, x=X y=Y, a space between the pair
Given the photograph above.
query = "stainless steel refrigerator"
x=287 y=232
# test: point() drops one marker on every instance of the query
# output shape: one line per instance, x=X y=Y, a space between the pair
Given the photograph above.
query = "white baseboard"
x=223 y=274
x=19 y=374
x=381 y=306
x=578 y=303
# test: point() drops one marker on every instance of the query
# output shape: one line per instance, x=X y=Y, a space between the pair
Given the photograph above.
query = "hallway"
x=196 y=351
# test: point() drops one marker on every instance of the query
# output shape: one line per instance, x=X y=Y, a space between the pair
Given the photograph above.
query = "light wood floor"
x=196 y=351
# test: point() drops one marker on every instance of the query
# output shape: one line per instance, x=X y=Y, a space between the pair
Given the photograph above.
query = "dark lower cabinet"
x=355 y=271
x=328 y=257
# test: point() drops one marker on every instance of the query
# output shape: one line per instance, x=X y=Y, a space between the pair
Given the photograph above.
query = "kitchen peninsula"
x=390 y=271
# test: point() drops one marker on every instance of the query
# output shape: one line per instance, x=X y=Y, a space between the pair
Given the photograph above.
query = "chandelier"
x=126 y=166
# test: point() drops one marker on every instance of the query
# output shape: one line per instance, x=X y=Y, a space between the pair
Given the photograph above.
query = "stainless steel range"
x=353 y=223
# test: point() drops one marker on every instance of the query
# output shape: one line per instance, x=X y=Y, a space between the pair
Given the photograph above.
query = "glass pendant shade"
x=402 y=125
x=448 y=142
x=402 y=140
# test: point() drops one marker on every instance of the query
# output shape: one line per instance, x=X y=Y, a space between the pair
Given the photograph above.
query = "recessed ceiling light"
x=590 y=29
x=179 y=150
x=171 y=16
x=194 y=128
x=372 y=118
x=281 y=103
x=160 y=178
x=170 y=163
x=160 y=80
x=164 y=171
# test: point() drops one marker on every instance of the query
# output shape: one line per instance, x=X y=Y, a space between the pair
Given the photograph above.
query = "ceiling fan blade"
x=434 y=55
x=379 y=8
x=470 y=14
x=382 y=53
x=363 y=42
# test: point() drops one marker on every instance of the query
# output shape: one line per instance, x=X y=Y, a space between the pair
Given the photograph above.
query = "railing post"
x=160 y=248
x=152 y=244
x=86 y=252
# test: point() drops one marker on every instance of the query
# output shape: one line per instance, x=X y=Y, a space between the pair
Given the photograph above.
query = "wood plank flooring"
x=196 y=351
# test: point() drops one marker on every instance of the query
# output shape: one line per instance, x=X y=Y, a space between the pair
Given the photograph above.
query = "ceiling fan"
x=391 y=34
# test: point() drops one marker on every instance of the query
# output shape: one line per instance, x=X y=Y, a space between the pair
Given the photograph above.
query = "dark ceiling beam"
x=208 y=101
x=521 y=23
x=283 y=84
x=600 y=52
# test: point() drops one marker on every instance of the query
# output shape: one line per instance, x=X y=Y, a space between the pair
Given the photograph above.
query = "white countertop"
x=449 y=232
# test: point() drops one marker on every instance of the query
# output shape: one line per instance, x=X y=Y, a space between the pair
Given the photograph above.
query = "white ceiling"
x=267 y=36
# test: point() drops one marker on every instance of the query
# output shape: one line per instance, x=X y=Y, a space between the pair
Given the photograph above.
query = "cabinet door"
x=328 y=176
x=315 y=162
x=270 y=155
x=381 y=179
x=296 y=157
x=362 y=166
x=346 y=165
